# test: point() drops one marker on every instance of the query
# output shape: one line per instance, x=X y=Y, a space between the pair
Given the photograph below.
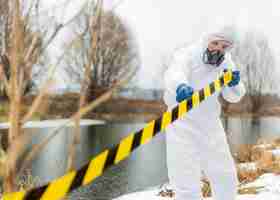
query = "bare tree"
x=255 y=59
x=23 y=44
x=21 y=60
x=104 y=43
x=30 y=46
x=101 y=55
x=257 y=63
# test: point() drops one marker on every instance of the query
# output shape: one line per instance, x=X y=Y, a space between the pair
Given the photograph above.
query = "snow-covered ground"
x=268 y=188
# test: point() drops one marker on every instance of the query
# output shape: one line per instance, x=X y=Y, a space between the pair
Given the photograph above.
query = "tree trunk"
x=9 y=184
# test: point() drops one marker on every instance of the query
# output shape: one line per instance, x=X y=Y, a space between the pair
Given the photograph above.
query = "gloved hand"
x=235 y=79
x=183 y=92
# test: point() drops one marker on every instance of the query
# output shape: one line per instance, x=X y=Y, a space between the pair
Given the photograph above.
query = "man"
x=197 y=141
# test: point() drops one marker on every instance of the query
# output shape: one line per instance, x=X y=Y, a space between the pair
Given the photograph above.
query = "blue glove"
x=235 y=79
x=183 y=92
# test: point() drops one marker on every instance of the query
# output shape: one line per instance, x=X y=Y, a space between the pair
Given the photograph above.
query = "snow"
x=275 y=152
x=53 y=123
x=263 y=146
x=269 y=185
x=152 y=195
x=250 y=166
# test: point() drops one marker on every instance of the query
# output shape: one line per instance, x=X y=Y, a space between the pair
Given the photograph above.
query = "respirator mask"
x=214 y=58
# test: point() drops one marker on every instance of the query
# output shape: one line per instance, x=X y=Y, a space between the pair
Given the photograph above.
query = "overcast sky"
x=160 y=26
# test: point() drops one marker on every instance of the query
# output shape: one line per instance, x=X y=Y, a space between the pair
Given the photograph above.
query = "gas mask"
x=213 y=57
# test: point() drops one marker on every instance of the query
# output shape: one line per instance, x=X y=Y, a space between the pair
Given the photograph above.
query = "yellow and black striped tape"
x=60 y=187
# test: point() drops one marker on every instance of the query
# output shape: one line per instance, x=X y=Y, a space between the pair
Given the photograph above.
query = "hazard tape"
x=59 y=188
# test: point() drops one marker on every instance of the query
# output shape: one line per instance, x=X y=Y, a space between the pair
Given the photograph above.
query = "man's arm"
x=235 y=93
x=175 y=76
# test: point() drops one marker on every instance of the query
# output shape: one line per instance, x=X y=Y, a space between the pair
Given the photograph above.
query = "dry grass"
x=251 y=190
x=255 y=160
x=27 y=181
x=206 y=188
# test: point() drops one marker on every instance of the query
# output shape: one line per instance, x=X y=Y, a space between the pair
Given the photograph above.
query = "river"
x=145 y=168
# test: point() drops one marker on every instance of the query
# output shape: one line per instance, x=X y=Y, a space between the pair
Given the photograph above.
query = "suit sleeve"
x=175 y=75
x=233 y=94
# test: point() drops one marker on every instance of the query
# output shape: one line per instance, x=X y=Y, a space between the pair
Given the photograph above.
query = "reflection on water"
x=241 y=131
x=146 y=167
x=248 y=131
x=270 y=127
x=51 y=161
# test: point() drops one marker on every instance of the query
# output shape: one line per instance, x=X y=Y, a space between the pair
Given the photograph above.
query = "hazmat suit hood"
x=226 y=33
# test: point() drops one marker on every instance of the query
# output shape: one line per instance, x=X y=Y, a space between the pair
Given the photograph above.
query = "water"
x=249 y=131
x=146 y=167
x=241 y=131
x=270 y=127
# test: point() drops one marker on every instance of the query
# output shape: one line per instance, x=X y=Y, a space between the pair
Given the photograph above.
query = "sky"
x=161 y=26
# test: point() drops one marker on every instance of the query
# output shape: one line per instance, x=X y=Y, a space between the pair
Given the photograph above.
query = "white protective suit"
x=197 y=142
